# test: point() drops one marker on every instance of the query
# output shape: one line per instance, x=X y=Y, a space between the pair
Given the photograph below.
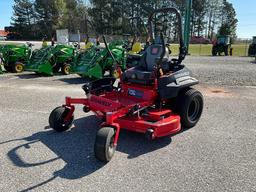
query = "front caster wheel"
x=190 y=107
x=56 y=119
x=150 y=135
x=104 y=148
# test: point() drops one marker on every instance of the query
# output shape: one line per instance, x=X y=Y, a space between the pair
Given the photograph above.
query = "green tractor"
x=96 y=61
x=1 y=48
x=50 y=60
x=135 y=51
x=222 y=45
x=1 y=71
x=252 y=48
x=15 y=57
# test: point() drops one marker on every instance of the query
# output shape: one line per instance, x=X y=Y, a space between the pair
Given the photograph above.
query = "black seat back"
x=153 y=53
x=151 y=56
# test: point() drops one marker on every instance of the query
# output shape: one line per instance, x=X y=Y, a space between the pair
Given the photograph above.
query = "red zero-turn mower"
x=154 y=98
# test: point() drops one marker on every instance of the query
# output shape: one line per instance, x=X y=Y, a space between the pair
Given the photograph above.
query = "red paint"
x=115 y=106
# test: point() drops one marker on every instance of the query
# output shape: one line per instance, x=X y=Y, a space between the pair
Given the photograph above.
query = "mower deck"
x=128 y=109
x=163 y=122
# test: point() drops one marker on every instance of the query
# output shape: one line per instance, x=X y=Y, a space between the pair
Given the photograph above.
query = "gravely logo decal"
x=101 y=102
x=181 y=75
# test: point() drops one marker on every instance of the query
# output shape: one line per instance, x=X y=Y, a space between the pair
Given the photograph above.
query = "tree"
x=49 y=15
x=23 y=17
x=36 y=18
x=229 y=20
x=214 y=11
x=198 y=17
x=74 y=16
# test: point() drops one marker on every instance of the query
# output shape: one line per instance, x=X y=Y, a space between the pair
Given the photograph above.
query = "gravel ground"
x=237 y=71
x=217 y=155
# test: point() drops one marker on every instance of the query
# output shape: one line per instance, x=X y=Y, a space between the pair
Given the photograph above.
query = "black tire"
x=18 y=67
x=104 y=148
x=250 y=51
x=214 y=52
x=56 y=119
x=226 y=51
x=56 y=68
x=65 y=69
x=8 y=68
x=190 y=107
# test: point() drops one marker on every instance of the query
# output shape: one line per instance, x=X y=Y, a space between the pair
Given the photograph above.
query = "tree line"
x=34 y=19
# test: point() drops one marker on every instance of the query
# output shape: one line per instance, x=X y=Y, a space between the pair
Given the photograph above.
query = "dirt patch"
x=216 y=92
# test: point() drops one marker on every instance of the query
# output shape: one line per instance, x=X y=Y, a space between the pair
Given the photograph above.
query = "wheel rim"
x=111 y=147
x=19 y=68
x=67 y=123
x=194 y=110
x=66 y=70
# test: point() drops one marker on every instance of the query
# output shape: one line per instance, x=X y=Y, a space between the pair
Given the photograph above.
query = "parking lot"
x=217 y=155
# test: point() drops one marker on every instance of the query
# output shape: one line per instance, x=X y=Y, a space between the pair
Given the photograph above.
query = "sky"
x=246 y=15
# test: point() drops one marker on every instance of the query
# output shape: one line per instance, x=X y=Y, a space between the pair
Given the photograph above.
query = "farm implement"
x=96 y=61
x=15 y=57
x=50 y=60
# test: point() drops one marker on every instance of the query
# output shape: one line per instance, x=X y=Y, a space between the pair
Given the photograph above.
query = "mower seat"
x=136 y=48
x=144 y=72
x=88 y=45
x=134 y=54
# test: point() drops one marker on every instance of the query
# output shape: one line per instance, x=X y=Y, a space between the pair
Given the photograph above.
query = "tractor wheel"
x=226 y=51
x=18 y=67
x=214 y=52
x=66 y=69
x=250 y=51
x=56 y=119
x=190 y=107
x=104 y=148
x=56 y=68
x=8 y=68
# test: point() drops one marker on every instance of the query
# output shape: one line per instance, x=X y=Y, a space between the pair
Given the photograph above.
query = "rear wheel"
x=66 y=69
x=214 y=52
x=56 y=119
x=18 y=67
x=8 y=68
x=250 y=51
x=104 y=148
x=190 y=107
x=226 y=51
x=56 y=68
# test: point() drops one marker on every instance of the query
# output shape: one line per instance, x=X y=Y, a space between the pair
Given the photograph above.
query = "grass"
x=206 y=50
x=201 y=49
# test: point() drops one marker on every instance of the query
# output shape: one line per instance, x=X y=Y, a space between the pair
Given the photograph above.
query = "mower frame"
x=142 y=108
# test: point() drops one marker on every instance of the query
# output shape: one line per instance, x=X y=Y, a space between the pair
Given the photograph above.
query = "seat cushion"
x=138 y=75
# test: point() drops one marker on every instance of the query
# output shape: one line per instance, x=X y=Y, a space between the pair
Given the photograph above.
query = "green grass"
x=206 y=50
x=202 y=50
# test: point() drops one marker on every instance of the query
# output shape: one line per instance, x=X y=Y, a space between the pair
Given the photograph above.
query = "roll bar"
x=182 y=50
x=137 y=30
